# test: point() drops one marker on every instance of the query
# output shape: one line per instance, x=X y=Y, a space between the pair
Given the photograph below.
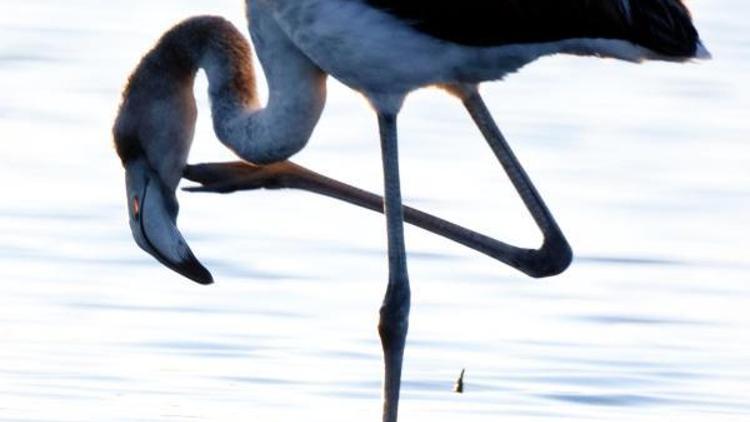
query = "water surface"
x=645 y=167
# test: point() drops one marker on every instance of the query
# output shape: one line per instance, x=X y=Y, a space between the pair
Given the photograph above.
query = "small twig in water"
x=459 y=386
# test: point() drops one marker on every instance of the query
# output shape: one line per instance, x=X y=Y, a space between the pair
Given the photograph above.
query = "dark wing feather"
x=661 y=25
x=664 y=26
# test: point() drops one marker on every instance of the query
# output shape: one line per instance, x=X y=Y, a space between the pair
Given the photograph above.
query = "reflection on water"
x=645 y=167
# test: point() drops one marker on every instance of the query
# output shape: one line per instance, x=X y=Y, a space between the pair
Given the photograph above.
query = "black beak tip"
x=195 y=271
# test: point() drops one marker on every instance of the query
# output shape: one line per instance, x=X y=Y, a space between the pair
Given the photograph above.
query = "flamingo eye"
x=136 y=207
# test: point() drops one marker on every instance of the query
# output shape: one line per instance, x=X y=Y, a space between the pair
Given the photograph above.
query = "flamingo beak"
x=153 y=222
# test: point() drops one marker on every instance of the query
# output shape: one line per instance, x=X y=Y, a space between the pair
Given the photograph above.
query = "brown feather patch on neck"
x=168 y=71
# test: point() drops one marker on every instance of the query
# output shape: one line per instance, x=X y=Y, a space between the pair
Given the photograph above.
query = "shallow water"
x=645 y=168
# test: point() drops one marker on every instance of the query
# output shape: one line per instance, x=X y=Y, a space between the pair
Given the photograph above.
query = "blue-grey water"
x=646 y=168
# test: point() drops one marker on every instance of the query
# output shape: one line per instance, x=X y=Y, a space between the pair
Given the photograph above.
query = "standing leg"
x=394 y=313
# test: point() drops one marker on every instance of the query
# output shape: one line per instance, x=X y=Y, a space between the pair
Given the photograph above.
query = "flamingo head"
x=152 y=213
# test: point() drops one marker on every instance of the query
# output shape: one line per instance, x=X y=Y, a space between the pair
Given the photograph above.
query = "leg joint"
x=554 y=257
x=394 y=320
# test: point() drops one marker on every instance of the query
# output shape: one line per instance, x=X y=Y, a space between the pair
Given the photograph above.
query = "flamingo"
x=384 y=49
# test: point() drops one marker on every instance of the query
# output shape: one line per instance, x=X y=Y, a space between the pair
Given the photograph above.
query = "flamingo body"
x=383 y=49
x=390 y=47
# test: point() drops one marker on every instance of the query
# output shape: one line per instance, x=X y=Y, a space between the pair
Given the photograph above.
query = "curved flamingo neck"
x=296 y=93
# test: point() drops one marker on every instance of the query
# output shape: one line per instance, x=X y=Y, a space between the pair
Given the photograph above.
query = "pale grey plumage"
x=383 y=56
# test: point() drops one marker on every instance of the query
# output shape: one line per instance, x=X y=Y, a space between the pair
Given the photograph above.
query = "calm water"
x=645 y=167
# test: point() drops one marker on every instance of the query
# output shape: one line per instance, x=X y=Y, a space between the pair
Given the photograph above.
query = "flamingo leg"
x=233 y=176
x=394 y=312
x=555 y=254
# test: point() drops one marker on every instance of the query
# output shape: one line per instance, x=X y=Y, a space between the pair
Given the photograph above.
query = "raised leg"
x=551 y=258
x=394 y=313
x=233 y=176
x=555 y=254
